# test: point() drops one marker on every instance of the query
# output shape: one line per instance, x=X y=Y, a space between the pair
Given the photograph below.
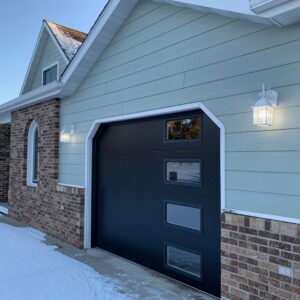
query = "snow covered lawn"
x=32 y=270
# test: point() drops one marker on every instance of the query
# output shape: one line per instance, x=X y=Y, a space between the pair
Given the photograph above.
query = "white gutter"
x=47 y=92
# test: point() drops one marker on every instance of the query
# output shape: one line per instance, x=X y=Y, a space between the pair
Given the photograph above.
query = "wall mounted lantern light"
x=65 y=133
x=263 y=110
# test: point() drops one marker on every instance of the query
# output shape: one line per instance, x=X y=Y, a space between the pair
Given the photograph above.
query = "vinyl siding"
x=166 y=55
x=49 y=55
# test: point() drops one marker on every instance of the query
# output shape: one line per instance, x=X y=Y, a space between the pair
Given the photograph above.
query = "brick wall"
x=260 y=258
x=4 y=161
x=54 y=209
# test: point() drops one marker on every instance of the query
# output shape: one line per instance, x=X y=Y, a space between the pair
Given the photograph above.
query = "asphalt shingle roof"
x=69 y=39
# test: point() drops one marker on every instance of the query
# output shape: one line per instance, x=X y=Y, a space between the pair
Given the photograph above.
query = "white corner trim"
x=56 y=63
x=150 y=113
x=30 y=154
x=263 y=216
x=71 y=185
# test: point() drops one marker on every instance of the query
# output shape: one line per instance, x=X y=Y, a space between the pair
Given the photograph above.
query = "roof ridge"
x=70 y=28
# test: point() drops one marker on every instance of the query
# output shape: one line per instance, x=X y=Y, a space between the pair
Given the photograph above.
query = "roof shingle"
x=69 y=39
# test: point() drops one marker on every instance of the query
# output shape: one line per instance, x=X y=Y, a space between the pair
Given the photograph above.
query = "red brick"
x=4 y=161
x=279 y=261
x=41 y=207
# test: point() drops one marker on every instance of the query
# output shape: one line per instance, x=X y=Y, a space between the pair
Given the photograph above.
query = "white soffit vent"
x=259 y=6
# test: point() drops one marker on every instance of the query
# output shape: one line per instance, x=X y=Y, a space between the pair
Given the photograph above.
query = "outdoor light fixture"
x=263 y=109
x=65 y=133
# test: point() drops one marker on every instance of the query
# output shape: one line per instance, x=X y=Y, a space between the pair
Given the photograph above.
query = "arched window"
x=33 y=154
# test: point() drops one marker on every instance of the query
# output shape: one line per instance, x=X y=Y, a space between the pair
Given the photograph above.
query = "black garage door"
x=157 y=195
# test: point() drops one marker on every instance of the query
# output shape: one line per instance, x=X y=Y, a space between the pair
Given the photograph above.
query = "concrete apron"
x=134 y=279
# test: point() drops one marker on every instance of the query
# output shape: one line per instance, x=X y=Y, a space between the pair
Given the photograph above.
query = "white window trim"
x=30 y=154
x=156 y=112
x=71 y=185
x=48 y=67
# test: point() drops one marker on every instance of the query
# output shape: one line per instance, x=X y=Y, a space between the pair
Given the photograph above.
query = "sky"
x=20 y=23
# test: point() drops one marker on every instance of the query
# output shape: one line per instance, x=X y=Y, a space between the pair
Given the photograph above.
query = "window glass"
x=183 y=260
x=184 y=171
x=32 y=155
x=185 y=216
x=183 y=129
x=50 y=75
x=35 y=157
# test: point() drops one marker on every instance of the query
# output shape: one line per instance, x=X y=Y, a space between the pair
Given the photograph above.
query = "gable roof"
x=111 y=19
x=68 y=39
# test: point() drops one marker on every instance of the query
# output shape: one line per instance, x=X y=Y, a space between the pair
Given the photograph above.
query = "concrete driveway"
x=121 y=279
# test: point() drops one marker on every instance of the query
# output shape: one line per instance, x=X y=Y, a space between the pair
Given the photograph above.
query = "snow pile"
x=68 y=43
x=30 y=269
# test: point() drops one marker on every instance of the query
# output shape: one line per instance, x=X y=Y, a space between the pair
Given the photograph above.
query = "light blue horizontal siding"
x=272 y=161
x=142 y=10
x=164 y=24
x=279 y=204
x=165 y=56
x=204 y=51
x=49 y=56
x=269 y=140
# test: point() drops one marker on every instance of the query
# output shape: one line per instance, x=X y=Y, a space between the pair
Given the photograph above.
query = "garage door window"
x=183 y=129
x=183 y=172
x=184 y=216
x=184 y=261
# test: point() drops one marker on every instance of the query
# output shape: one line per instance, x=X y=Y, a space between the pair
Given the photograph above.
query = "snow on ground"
x=32 y=270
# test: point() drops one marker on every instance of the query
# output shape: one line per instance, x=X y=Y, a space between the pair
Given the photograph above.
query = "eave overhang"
x=44 y=93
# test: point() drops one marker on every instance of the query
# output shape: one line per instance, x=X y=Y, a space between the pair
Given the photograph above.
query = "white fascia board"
x=43 y=93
